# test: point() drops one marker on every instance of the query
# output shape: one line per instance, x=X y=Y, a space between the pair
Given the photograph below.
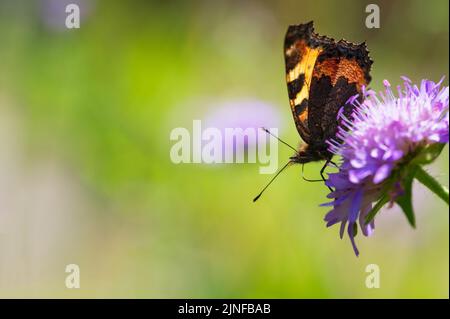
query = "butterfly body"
x=321 y=76
x=311 y=153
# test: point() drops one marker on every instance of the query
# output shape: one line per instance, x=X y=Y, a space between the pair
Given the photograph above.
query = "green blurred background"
x=85 y=173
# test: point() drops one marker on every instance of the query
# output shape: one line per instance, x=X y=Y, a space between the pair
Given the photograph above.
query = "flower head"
x=378 y=143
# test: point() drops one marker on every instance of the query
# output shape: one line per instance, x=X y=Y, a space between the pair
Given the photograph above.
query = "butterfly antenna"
x=270 y=182
x=268 y=132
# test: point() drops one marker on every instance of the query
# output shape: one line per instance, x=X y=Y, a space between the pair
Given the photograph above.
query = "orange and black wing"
x=322 y=75
x=300 y=58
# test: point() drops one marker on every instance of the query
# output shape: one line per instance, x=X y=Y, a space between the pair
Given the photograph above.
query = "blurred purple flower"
x=244 y=114
x=385 y=133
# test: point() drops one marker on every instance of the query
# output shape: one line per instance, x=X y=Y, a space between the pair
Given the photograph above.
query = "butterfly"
x=321 y=76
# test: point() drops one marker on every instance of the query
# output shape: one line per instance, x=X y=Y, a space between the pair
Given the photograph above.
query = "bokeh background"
x=85 y=173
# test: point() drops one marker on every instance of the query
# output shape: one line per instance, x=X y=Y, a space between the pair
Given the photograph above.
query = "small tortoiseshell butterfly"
x=321 y=76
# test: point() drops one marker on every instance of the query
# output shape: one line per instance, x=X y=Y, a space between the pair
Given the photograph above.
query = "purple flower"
x=384 y=134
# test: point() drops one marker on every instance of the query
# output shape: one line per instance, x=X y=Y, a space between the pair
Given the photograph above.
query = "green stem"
x=430 y=182
x=381 y=202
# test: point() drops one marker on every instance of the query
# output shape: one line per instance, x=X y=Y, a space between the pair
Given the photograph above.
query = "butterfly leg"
x=323 y=170
x=334 y=164
x=306 y=179
x=321 y=174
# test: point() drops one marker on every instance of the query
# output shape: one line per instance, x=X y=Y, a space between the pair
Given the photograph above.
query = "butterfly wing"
x=300 y=58
x=341 y=70
x=322 y=75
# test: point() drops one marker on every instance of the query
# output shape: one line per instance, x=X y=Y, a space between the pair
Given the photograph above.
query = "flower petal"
x=382 y=173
